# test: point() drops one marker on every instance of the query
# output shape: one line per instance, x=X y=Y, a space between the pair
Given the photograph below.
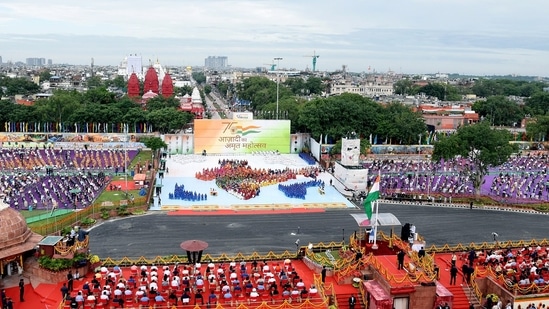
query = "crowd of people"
x=299 y=189
x=37 y=159
x=179 y=193
x=48 y=177
x=31 y=191
x=245 y=182
x=191 y=284
x=520 y=179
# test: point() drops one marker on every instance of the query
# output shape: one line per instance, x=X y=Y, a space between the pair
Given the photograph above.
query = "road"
x=211 y=107
x=158 y=234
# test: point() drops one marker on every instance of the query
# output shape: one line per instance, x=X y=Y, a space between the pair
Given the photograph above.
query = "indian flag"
x=372 y=196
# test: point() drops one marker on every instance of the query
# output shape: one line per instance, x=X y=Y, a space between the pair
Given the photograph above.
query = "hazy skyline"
x=411 y=36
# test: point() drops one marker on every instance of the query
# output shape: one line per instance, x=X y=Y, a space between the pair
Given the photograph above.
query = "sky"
x=477 y=37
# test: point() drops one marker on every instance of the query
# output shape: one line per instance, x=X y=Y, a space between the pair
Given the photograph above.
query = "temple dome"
x=13 y=228
x=149 y=95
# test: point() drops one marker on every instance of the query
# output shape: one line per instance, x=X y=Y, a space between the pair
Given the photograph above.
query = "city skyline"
x=415 y=36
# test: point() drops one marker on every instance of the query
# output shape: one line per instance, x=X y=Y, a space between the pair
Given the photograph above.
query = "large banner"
x=241 y=136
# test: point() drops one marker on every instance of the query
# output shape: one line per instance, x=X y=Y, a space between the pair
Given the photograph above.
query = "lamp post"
x=277 y=82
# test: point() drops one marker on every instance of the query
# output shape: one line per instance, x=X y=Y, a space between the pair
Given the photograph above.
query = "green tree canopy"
x=168 y=119
x=154 y=143
x=538 y=104
x=399 y=124
x=538 y=128
x=18 y=85
x=499 y=110
x=338 y=115
x=482 y=145
x=199 y=77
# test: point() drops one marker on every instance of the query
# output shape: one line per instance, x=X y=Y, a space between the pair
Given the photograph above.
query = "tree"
x=479 y=143
x=314 y=85
x=499 y=110
x=117 y=82
x=199 y=77
x=168 y=119
x=18 y=85
x=399 y=124
x=538 y=104
x=338 y=115
x=183 y=90
x=405 y=87
x=99 y=95
x=59 y=107
x=207 y=89
x=94 y=82
x=538 y=129
x=154 y=143
x=45 y=75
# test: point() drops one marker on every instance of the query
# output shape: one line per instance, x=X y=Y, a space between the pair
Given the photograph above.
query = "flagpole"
x=374 y=246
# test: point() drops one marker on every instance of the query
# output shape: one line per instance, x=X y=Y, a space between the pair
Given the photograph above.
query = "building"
x=216 y=62
x=35 y=61
x=448 y=118
x=368 y=90
x=131 y=64
x=16 y=240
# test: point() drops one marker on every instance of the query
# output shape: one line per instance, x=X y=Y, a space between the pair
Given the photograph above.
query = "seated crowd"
x=520 y=179
x=45 y=178
x=29 y=190
x=190 y=285
x=524 y=270
x=61 y=159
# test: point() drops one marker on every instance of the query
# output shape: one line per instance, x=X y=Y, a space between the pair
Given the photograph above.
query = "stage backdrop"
x=241 y=136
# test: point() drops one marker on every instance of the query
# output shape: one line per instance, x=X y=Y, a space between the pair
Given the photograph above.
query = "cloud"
x=420 y=36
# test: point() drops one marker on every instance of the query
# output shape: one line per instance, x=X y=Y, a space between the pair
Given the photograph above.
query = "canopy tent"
x=194 y=249
x=383 y=219
x=139 y=177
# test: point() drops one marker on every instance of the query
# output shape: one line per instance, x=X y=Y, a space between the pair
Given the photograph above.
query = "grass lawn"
x=48 y=220
x=34 y=213
x=142 y=157
x=115 y=196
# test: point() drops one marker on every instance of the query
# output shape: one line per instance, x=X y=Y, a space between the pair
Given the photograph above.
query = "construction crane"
x=273 y=66
x=314 y=56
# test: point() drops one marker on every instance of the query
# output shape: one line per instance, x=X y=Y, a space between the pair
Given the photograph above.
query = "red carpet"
x=460 y=298
x=33 y=300
x=231 y=212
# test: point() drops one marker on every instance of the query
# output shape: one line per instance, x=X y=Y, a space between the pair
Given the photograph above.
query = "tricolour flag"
x=372 y=196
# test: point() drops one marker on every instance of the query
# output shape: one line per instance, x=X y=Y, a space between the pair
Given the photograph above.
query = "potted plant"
x=95 y=262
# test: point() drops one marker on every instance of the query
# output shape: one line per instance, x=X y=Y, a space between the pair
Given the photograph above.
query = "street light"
x=277 y=82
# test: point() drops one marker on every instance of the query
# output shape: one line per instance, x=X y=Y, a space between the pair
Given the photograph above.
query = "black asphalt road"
x=158 y=234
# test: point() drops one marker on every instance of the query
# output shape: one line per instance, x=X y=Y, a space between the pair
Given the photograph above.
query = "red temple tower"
x=133 y=86
x=167 y=86
x=151 y=81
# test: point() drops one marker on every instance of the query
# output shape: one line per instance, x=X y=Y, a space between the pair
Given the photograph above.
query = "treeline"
x=66 y=111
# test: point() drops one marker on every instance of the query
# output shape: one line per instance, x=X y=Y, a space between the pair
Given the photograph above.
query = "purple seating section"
x=44 y=192
x=25 y=181
x=32 y=159
x=520 y=180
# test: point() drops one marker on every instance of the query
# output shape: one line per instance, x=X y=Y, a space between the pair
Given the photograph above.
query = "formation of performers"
x=245 y=182
x=299 y=190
